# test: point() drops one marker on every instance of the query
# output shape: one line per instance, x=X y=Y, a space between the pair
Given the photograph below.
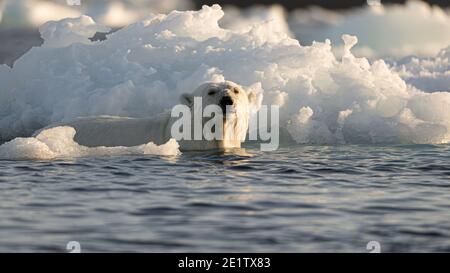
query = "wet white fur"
x=114 y=131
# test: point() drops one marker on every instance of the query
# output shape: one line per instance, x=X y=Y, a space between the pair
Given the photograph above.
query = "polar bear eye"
x=211 y=92
x=236 y=91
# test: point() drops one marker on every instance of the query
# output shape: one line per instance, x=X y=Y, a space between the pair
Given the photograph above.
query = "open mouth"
x=227 y=105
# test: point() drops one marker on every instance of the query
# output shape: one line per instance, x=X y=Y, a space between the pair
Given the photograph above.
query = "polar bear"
x=110 y=131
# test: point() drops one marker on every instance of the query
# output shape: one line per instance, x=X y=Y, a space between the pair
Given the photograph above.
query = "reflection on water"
x=299 y=198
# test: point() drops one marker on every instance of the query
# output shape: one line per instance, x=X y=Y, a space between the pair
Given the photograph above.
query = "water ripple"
x=299 y=198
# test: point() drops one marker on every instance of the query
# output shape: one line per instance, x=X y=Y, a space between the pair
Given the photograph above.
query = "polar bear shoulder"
x=111 y=131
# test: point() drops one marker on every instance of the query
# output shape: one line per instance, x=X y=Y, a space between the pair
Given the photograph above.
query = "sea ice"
x=58 y=142
x=396 y=31
x=244 y=19
x=429 y=74
x=113 y=13
x=142 y=69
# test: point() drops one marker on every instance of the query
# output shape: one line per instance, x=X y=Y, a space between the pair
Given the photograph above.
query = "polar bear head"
x=235 y=105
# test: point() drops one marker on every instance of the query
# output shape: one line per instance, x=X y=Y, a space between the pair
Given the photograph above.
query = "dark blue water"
x=297 y=199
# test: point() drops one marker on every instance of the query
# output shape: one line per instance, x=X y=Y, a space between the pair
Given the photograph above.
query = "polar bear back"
x=120 y=131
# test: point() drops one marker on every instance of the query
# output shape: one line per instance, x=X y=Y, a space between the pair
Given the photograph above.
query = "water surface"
x=297 y=199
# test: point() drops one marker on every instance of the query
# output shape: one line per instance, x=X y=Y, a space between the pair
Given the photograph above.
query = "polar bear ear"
x=251 y=97
x=255 y=96
x=187 y=99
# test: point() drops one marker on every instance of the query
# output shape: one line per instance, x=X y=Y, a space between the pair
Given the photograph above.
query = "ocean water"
x=296 y=199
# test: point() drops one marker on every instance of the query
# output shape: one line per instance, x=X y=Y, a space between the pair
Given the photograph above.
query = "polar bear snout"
x=224 y=102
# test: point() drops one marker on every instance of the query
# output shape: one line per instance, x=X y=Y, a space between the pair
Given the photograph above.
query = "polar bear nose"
x=224 y=101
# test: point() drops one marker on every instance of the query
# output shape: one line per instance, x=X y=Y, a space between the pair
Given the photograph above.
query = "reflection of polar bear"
x=120 y=131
